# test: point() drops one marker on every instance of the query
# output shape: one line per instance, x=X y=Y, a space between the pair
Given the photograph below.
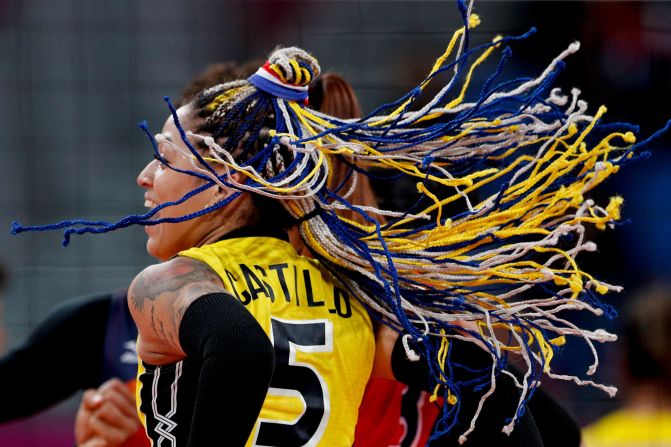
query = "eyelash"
x=162 y=161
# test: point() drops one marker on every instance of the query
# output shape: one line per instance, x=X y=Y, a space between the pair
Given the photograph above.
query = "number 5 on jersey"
x=298 y=380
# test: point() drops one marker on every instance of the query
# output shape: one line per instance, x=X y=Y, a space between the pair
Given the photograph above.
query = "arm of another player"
x=72 y=332
x=107 y=416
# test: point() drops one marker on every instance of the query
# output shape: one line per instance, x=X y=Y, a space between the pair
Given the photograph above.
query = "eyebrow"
x=163 y=137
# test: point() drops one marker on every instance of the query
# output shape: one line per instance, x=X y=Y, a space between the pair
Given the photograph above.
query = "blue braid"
x=127 y=222
x=186 y=141
x=104 y=227
x=159 y=157
x=648 y=140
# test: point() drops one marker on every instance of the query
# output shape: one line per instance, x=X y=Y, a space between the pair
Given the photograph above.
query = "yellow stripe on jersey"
x=138 y=397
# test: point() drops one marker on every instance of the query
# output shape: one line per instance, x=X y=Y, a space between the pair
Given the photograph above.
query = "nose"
x=146 y=177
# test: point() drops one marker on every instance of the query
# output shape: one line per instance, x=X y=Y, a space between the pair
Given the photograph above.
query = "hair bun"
x=294 y=66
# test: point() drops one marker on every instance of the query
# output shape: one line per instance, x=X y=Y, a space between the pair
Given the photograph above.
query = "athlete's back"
x=323 y=339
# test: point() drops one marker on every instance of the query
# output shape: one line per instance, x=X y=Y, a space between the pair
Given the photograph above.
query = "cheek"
x=170 y=186
x=173 y=189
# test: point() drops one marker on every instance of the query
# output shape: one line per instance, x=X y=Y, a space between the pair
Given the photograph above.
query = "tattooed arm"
x=158 y=298
x=182 y=310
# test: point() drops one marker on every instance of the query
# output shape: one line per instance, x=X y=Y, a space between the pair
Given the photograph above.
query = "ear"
x=221 y=192
x=238 y=177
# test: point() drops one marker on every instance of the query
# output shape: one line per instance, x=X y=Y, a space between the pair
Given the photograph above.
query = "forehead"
x=170 y=136
x=184 y=117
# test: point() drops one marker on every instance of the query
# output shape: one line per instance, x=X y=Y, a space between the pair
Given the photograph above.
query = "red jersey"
x=394 y=415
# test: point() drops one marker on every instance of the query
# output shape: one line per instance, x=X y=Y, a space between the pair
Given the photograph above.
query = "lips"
x=148 y=203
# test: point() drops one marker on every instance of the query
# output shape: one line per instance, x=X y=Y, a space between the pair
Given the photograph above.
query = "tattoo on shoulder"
x=179 y=277
x=163 y=292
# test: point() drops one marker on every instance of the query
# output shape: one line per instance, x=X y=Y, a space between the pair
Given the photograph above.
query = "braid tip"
x=409 y=352
x=66 y=238
x=16 y=228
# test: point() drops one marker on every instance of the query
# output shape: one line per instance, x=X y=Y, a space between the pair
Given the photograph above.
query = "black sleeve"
x=558 y=428
x=237 y=365
x=61 y=356
x=544 y=423
x=496 y=412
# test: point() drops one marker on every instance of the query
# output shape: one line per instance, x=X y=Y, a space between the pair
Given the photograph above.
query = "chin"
x=154 y=247
x=151 y=251
x=154 y=250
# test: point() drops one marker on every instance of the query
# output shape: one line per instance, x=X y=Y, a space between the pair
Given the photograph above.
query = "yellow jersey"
x=628 y=428
x=323 y=339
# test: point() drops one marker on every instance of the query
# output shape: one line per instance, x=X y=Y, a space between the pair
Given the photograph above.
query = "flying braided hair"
x=507 y=264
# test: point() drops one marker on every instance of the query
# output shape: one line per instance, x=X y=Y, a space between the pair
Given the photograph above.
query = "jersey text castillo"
x=254 y=285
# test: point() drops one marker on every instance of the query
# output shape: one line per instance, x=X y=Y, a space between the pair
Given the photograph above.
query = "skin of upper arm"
x=158 y=298
x=385 y=338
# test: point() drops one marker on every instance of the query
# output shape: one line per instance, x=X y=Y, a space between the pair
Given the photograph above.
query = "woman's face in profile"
x=163 y=185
